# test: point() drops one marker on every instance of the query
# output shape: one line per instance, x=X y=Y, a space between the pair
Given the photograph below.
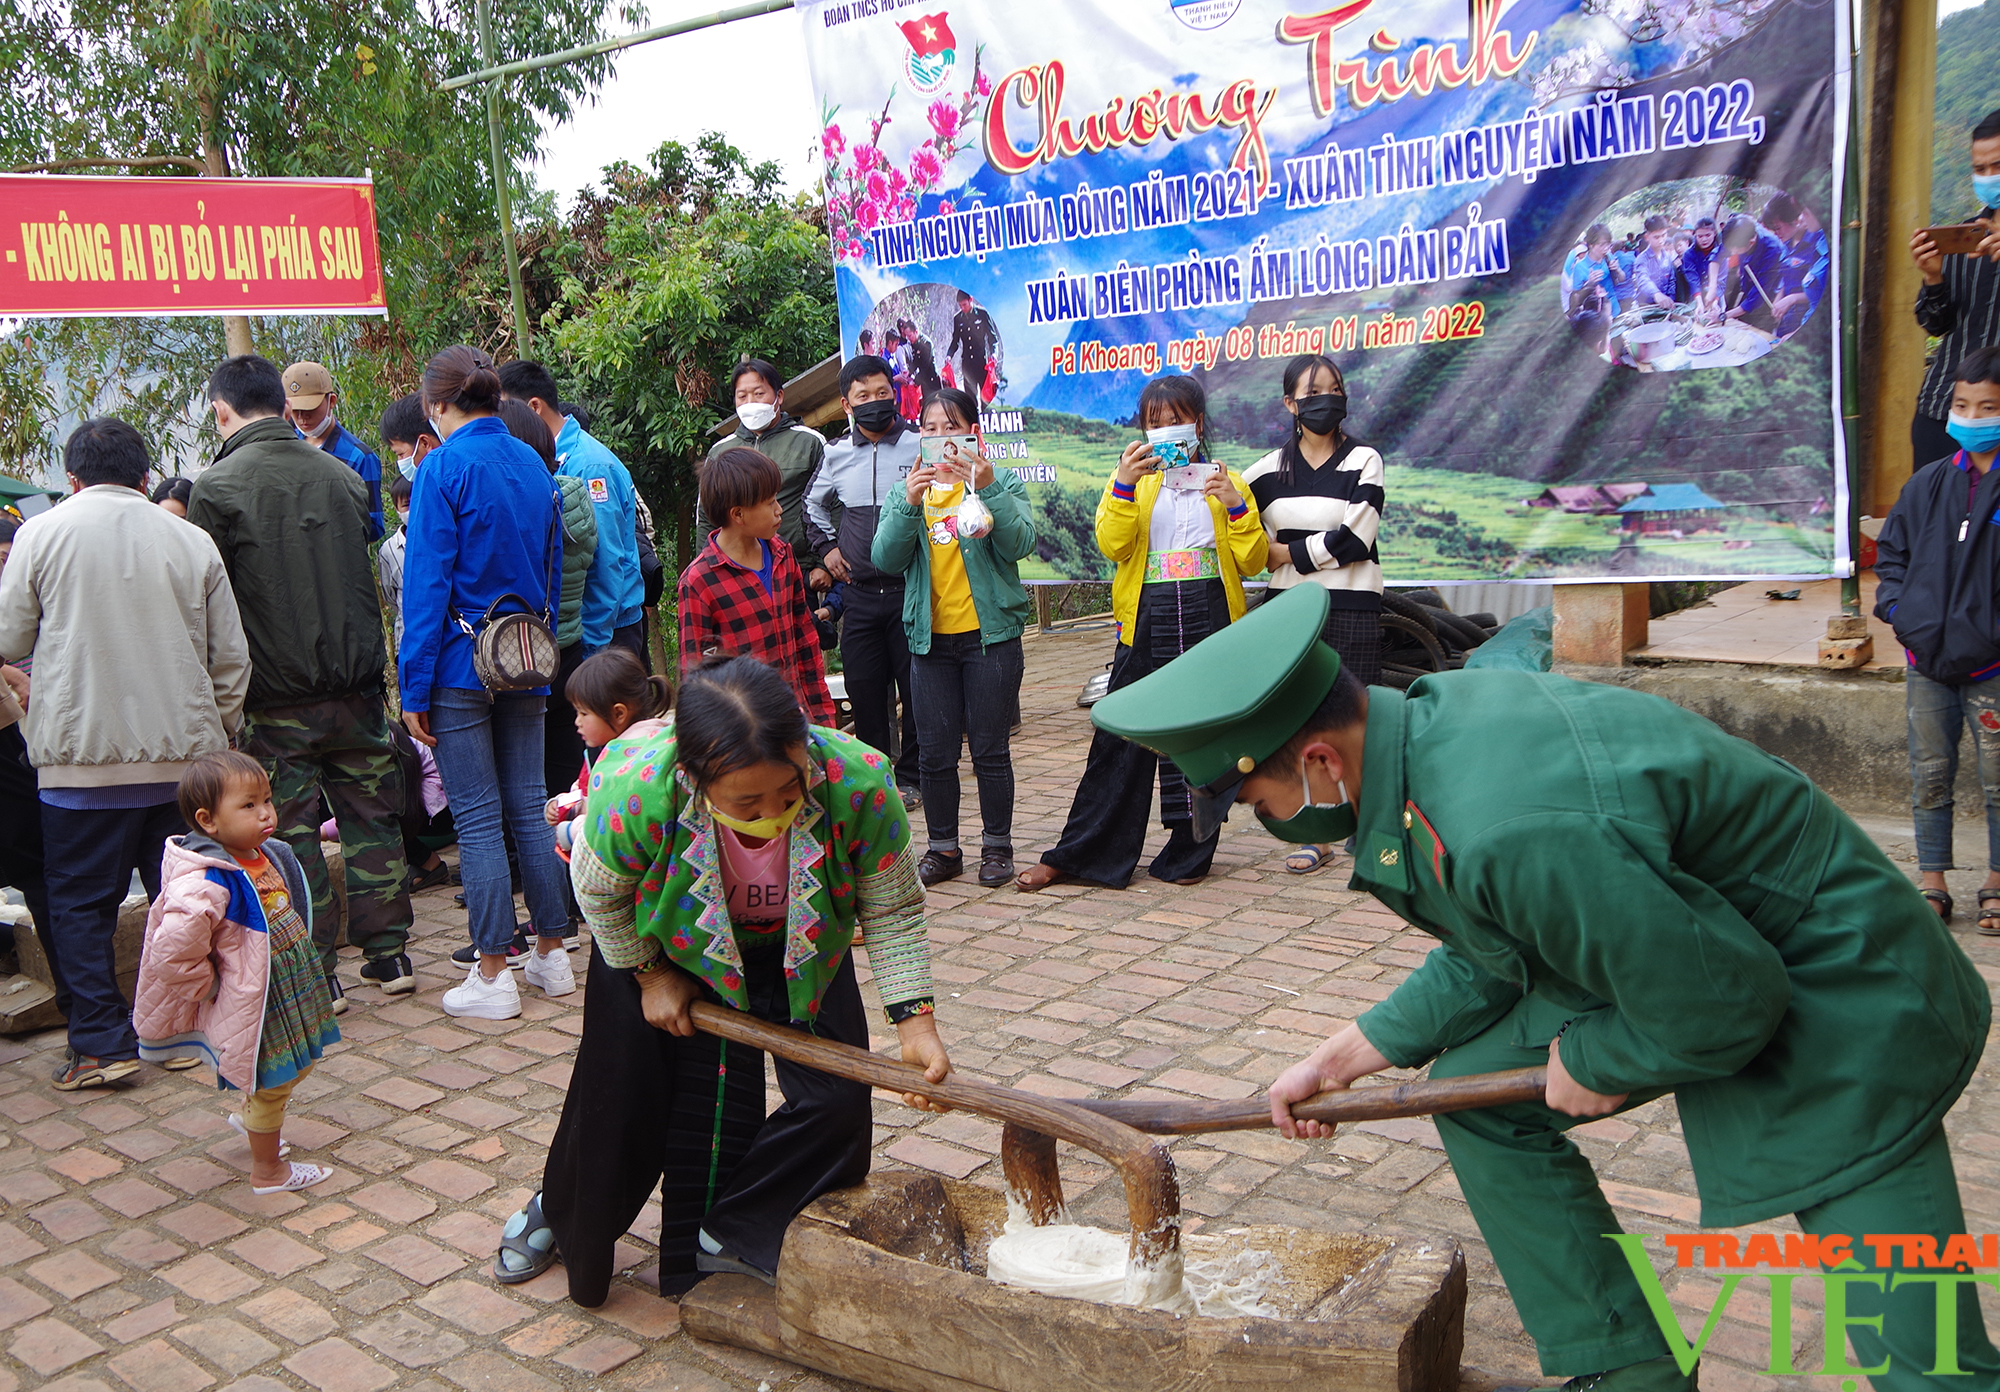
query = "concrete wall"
x=1847 y=733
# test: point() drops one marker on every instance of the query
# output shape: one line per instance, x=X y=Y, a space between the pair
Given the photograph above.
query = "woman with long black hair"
x=689 y=860
x=1320 y=497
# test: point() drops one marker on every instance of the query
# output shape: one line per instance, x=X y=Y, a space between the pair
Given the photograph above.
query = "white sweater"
x=140 y=663
x=1328 y=517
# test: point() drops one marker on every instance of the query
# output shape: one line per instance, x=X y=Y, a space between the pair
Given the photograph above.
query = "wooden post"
x=1041 y=593
x=1900 y=66
x=1596 y=625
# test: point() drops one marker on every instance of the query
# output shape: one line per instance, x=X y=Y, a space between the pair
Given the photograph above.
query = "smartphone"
x=1188 y=477
x=1958 y=238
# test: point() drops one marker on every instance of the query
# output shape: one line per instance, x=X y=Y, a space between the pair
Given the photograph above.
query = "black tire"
x=1459 y=632
x=1433 y=649
x=1422 y=615
x=1485 y=621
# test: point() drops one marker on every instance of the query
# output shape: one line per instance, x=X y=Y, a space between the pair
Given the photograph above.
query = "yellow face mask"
x=764 y=828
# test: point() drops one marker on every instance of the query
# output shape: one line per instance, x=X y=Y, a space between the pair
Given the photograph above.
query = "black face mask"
x=876 y=417
x=1323 y=414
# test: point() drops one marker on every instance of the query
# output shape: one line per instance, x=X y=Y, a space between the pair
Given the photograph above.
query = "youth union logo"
x=933 y=50
x=1205 y=14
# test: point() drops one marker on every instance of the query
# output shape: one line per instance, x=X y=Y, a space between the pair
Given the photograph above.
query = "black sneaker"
x=339 y=996
x=392 y=974
x=82 y=1071
x=996 y=865
x=937 y=865
x=517 y=952
x=421 y=880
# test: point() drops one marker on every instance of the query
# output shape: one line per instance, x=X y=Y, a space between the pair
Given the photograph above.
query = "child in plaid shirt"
x=744 y=594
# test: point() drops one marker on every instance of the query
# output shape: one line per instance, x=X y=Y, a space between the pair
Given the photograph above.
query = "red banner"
x=75 y=246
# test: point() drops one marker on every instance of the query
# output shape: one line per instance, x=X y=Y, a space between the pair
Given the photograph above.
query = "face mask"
x=436 y=429
x=318 y=432
x=764 y=828
x=407 y=467
x=1986 y=188
x=876 y=417
x=1315 y=823
x=1977 y=436
x=1322 y=414
x=753 y=416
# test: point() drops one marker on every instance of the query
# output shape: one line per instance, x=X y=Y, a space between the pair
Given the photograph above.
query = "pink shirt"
x=756 y=879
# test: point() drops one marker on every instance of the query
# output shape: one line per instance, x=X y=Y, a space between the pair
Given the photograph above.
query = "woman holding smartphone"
x=1183 y=533
x=957 y=534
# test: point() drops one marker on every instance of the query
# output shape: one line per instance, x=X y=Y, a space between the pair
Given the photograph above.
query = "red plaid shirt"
x=724 y=609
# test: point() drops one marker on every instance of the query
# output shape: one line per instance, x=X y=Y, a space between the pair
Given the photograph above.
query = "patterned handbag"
x=517 y=651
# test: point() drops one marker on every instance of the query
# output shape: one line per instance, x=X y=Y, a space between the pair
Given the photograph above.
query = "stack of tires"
x=1420 y=635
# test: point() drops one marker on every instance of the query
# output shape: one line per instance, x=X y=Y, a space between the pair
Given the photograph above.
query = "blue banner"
x=1574 y=258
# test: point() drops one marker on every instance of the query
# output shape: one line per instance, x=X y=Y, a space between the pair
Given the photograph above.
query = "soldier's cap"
x=1232 y=700
x=306 y=385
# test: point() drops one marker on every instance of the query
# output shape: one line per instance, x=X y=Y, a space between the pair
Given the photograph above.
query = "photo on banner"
x=1572 y=256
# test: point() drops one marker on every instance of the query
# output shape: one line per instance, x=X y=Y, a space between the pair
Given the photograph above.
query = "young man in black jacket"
x=1938 y=573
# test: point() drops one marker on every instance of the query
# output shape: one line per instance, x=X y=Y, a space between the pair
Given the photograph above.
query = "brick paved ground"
x=133 y=1255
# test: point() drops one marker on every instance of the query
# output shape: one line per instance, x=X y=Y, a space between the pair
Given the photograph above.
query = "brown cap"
x=306 y=385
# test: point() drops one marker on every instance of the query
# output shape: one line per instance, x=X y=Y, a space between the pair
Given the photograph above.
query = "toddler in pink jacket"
x=229 y=972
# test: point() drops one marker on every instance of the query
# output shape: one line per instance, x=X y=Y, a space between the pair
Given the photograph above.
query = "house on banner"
x=1671 y=509
x=1588 y=499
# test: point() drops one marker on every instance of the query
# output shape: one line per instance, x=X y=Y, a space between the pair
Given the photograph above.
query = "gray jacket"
x=863 y=477
x=140 y=659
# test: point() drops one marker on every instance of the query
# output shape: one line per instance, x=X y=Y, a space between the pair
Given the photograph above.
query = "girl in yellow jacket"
x=1184 y=532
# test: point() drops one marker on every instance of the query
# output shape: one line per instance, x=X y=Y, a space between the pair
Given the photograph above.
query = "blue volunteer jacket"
x=341 y=444
x=614 y=591
x=485 y=521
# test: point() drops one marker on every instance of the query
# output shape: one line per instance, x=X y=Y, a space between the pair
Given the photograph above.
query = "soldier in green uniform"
x=1643 y=903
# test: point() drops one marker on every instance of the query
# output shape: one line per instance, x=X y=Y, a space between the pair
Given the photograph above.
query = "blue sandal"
x=1314 y=857
x=527 y=1246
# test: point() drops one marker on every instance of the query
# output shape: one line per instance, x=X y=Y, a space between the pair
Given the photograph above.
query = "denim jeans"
x=964 y=692
x=1937 y=715
x=91 y=854
x=489 y=752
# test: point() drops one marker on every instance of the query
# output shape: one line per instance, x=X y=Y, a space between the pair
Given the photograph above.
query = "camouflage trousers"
x=340 y=748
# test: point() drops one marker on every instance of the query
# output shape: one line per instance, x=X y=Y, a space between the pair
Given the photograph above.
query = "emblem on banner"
x=1205 y=14
x=933 y=51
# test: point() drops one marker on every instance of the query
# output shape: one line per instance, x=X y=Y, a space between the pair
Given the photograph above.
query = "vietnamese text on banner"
x=1572 y=257
x=82 y=246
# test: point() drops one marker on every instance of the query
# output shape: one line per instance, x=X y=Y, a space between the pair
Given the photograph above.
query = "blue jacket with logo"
x=615 y=591
x=341 y=444
x=485 y=521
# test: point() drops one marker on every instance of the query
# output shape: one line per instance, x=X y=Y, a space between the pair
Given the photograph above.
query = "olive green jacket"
x=1710 y=922
x=579 y=519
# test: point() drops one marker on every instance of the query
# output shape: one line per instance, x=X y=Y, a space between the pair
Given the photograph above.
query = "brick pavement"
x=133 y=1255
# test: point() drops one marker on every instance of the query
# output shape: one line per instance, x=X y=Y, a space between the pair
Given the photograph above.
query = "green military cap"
x=1232 y=700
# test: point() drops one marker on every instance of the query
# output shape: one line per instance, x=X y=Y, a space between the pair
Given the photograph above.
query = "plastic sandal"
x=1943 y=902
x=1314 y=857
x=1989 y=912
x=527 y=1246
x=284 y=1147
x=303 y=1176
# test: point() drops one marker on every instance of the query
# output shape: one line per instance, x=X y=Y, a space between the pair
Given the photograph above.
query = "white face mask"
x=753 y=416
x=436 y=429
x=319 y=432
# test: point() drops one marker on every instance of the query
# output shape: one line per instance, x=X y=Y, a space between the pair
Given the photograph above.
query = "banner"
x=73 y=245
x=1574 y=258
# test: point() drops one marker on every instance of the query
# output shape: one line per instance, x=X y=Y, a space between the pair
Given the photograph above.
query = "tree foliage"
x=305 y=87
x=663 y=281
x=1968 y=86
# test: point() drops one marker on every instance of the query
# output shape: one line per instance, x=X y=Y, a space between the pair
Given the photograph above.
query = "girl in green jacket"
x=957 y=534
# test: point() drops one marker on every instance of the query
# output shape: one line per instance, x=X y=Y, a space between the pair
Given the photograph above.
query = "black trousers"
x=21 y=833
x=646 y=1107
x=1929 y=441
x=562 y=746
x=1106 y=830
x=875 y=655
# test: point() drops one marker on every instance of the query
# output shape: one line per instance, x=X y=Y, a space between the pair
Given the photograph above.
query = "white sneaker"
x=480 y=999
x=551 y=971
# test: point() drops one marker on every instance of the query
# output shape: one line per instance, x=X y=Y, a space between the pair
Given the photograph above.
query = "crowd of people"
x=1769 y=270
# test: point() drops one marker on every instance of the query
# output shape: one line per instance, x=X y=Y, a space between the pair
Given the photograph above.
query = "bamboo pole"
x=503 y=176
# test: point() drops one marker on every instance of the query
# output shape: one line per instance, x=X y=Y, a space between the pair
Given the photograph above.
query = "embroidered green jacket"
x=647 y=871
x=1702 y=916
